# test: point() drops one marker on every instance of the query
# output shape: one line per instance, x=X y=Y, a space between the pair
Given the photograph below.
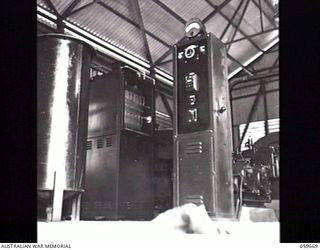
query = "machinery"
x=202 y=123
x=119 y=166
x=62 y=91
x=259 y=169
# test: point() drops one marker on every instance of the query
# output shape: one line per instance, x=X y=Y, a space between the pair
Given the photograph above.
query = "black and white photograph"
x=157 y=121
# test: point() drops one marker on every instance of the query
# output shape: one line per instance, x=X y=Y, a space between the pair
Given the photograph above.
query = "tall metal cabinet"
x=202 y=126
x=118 y=180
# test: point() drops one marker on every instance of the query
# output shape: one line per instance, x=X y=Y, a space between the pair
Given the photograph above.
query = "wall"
x=242 y=99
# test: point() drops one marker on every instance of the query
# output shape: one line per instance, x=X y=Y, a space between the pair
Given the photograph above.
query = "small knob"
x=222 y=109
x=148 y=119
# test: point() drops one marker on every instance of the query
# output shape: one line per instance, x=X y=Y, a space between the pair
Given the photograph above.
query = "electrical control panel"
x=121 y=100
x=202 y=126
x=193 y=88
x=119 y=155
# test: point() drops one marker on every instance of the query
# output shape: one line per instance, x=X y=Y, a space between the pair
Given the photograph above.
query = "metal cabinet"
x=118 y=180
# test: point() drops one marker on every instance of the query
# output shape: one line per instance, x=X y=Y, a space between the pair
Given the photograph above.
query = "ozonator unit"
x=202 y=123
x=63 y=64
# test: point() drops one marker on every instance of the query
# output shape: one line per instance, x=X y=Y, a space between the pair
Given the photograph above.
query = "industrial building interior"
x=113 y=161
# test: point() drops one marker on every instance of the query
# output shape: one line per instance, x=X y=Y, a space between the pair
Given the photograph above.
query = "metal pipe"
x=256 y=84
x=237 y=81
x=251 y=95
x=265 y=106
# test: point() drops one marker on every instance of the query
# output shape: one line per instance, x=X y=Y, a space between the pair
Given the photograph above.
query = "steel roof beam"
x=271 y=20
x=164 y=62
x=259 y=57
x=245 y=68
x=231 y=20
x=171 y=12
x=69 y=9
x=235 y=82
x=136 y=7
x=131 y=22
x=268 y=81
x=254 y=35
x=82 y=8
x=240 y=30
x=216 y=10
x=160 y=59
x=274 y=64
x=270 y=6
x=273 y=50
x=237 y=27
x=263 y=53
x=261 y=19
x=252 y=95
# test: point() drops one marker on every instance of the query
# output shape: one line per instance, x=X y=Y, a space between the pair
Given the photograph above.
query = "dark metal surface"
x=62 y=92
x=271 y=139
x=104 y=105
x=135 y=177
x=118 y=183
x=162 y=170
x=202 y=102
x=121 y=100
x=202 y=148
x=100 y=199
x=197 y=173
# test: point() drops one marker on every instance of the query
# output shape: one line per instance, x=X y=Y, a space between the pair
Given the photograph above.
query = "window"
x=256 y=130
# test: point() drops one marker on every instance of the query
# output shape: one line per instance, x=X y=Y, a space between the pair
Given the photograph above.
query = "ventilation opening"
x=108 y=142
x=193 y=148
x=89 y=145
x=100 y=143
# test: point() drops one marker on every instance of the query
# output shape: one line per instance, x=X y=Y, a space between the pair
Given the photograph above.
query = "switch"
x=191 y=82
x=192 y=99
x=192 y=115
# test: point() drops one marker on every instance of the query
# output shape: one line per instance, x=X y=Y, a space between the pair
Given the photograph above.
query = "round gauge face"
x=192 y=29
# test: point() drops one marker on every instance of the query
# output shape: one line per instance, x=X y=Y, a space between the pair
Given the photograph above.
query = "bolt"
x=222 y=109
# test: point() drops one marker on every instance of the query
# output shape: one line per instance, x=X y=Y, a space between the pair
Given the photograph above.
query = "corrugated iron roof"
x=189 y=9
x=111 y=28
x=117 y=22
x=156 y=47
x=159 y=22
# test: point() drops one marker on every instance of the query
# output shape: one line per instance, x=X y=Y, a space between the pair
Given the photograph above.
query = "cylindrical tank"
x=62 y=111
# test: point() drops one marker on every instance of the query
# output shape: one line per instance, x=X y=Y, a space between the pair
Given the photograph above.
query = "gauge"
x=193 y=27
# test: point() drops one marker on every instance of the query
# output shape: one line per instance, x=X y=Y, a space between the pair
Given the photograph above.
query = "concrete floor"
x=147 y=235
x=258 y=227
x=268 y=214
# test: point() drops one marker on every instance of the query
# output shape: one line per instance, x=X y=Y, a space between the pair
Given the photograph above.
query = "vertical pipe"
x=265 y=105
